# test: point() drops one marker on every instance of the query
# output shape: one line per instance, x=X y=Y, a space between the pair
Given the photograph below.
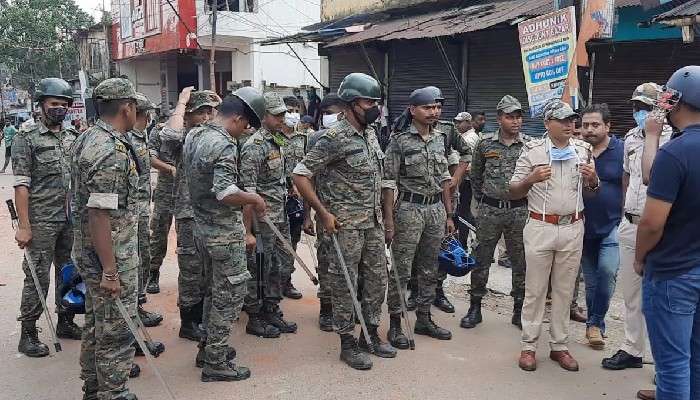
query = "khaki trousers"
x=635 y=326
x=550 y=250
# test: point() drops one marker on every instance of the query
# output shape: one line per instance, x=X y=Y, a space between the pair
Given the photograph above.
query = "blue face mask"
x=640 y=117
x=567 y=153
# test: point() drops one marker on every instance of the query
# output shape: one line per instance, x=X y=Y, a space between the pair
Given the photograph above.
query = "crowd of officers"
x=226 y=172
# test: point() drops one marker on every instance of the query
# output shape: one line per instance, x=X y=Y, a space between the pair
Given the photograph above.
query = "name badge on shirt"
x=492 y=154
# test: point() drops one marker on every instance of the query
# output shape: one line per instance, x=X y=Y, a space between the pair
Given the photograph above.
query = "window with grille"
x=152 y=15
x=232 y=5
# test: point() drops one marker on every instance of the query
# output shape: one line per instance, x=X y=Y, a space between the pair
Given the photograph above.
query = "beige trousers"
x=635 y=326
x=550 y=250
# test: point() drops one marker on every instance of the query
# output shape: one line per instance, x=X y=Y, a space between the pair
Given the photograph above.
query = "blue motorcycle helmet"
x=72 y=289
x=452 y=258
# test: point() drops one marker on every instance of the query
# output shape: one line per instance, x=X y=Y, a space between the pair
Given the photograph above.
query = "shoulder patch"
x=258 y=141
x=483 y=136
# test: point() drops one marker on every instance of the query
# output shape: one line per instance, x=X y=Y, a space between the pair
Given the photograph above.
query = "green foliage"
x=36 y=39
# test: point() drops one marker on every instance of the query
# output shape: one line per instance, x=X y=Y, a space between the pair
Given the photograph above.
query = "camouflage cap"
x=646 y=93
x=463 y=116
x=509 y=104
x=142 y=103
x=274 y=104
x=114 y=89
x=558 y=109
x=202 y=98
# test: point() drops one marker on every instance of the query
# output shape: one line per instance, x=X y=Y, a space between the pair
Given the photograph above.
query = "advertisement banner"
x=547 y=45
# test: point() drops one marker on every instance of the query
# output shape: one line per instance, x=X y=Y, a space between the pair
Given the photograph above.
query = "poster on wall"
x=547 y=45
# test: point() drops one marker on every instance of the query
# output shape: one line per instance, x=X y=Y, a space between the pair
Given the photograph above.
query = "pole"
x=288 y=246
x=212 y=51
x=402 y=295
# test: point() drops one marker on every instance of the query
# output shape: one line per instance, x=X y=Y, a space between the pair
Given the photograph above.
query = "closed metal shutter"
x=621 y=67
x=414 y=64
x=495 y=70
x=346 y=60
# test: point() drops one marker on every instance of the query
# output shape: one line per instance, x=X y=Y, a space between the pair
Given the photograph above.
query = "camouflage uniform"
x=324 y=246
x=351 y=162
x=105 y=176
x=294 y=151
x=491 y=170
x=210 y=158
x=40 y=162
x=140 y=143
x=417 y=168
x=163 y=203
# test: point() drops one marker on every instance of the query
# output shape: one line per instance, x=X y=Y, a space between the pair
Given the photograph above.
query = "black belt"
x=632 y=219
x=420 y=199
x=504 y=203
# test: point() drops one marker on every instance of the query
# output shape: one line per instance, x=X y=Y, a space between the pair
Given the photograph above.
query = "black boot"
x=517 y=313
x=127 y=396
x=351 y=354
x=90 y=390
x=259 y=327
x=395 y=336
x=67 y=329
x=325 y=316
x=199 y=359
x=29 y=343
x=273 y=315
x=289 y=291
x=135 y=371
x=379 y=348
x=442 y=302
x=189 y=324
x=225 y=372
x=473 y=317
x=426 y=326
x=153 y=286
x=149 y=319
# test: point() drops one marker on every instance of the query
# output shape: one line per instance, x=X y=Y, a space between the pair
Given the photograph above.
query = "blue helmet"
x=687 y=81
x=295 y=210
x=452 y=258
x=71 y=289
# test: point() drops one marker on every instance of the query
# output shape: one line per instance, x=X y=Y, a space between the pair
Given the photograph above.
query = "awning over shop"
x=687 y=10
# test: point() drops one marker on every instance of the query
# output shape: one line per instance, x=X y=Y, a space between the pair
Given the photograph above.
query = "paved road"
x=476 y=364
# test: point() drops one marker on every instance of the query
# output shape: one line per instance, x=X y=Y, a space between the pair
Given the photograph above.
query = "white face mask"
x=292 y=119
x=329 y=120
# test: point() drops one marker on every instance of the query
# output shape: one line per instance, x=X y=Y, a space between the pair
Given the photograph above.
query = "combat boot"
x=153 y=286
x=473 y=317
x=289 y=291
x=517 y=313
x=273 y=315
x=199 y=359
x=90 y=390
x=135 y=371
x=379 y=348
x=29 y=343
x=351 y=354
x=127 y=396
x=325 y=316
x=426 y=326
x=67 y=329
x=189 y=324
x=149 y=319
x=259 y=327
x=225 y=372
x=395 y=336
x=442 y=302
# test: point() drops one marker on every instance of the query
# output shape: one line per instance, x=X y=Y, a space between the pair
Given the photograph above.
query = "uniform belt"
x=557 y=219
x=504 y=203
x=633 y=219
x=420 y=199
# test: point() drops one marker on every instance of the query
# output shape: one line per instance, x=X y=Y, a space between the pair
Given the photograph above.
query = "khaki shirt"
x=562 y=191
x=636 y=195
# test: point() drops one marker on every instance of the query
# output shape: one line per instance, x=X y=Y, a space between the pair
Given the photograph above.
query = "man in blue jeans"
x=601 y=252
x=668 y=249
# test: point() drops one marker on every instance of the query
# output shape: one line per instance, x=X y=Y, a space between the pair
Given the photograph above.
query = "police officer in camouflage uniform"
x=415 y=223
x=211 y=164
x=350 y=156
x=40 y=162
x=193 y=109
x=139 y=140
x=105 y=178
x=492 y=167
x=263 y=171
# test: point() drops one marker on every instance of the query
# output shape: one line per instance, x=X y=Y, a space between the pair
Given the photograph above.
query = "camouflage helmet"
x=114 y=89
x=254 y=100
x=359 y=86
x=202 y=98
x=54 y=87
x=142 y=103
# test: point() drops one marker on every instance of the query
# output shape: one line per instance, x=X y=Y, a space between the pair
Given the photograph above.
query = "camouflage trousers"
x=324 y=254
x=144 y=256
x=190 y=279
x=161 y=219
x=106 y=352
x=417 y=239
x=51 y=243
x=225 y=288
x=365 y=257
x=492 y=222
x=275 y=266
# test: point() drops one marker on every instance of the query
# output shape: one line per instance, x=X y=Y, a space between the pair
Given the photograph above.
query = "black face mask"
x=371 y=114
x=56 y=115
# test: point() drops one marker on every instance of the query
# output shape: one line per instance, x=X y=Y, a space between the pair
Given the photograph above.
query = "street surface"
x=476 y=364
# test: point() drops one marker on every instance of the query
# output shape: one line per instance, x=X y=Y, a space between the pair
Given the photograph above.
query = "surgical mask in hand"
x=330 y=119
x=640 y=117
x=292 y=119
